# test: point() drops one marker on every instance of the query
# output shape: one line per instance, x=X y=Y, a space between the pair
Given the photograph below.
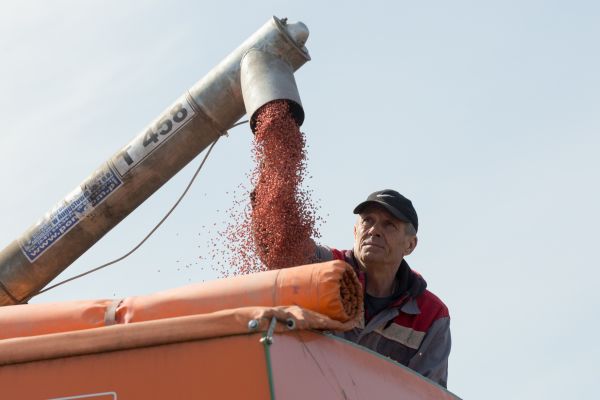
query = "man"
x=403 y=320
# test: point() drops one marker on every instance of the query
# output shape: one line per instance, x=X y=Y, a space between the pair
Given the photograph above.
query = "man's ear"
x=354 y=231
x=411 y=243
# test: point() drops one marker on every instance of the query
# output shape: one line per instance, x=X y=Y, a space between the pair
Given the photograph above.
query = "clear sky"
x=485 y=114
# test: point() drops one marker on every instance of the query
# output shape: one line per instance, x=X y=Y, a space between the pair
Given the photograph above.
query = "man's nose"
x=374 y=230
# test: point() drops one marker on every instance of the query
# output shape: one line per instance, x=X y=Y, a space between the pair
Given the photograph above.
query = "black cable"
x=150 y=233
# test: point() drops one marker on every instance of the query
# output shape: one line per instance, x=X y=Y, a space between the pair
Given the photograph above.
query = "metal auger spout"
x=141 y=167
x=265 y=77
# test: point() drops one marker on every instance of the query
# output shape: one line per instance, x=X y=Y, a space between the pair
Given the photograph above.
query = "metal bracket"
x=268 y=338
x=253 y=325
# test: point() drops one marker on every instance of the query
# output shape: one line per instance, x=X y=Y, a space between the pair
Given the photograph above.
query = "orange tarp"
x=163 y=331
x=329 y=288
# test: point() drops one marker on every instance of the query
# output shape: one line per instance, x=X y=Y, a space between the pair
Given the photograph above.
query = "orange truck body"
x=248 y=352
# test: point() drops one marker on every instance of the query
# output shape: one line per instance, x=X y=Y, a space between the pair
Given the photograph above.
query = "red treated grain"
x=275 y=230
x=282 y=219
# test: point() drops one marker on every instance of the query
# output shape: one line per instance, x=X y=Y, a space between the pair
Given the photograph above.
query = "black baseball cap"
x=398 y=205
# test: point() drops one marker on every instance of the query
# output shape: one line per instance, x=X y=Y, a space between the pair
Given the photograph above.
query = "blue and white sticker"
x=154 y=136
x=69 y=212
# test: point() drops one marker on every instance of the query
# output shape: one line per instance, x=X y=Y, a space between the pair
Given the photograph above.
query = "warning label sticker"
x=64 y=216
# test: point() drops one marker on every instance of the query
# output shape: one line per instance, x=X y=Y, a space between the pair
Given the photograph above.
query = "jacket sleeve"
x=431 y=359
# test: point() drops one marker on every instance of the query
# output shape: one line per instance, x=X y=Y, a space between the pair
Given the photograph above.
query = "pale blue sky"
x=485 y=114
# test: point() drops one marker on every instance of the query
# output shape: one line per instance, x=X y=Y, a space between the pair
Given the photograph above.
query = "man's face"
x=380 y=239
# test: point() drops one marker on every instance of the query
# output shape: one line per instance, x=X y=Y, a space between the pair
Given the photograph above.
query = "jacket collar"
x=407 y=305
x=411 y=307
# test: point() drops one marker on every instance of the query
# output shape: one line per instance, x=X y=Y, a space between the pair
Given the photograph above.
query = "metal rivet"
x=290 y=323
x=252 y=324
